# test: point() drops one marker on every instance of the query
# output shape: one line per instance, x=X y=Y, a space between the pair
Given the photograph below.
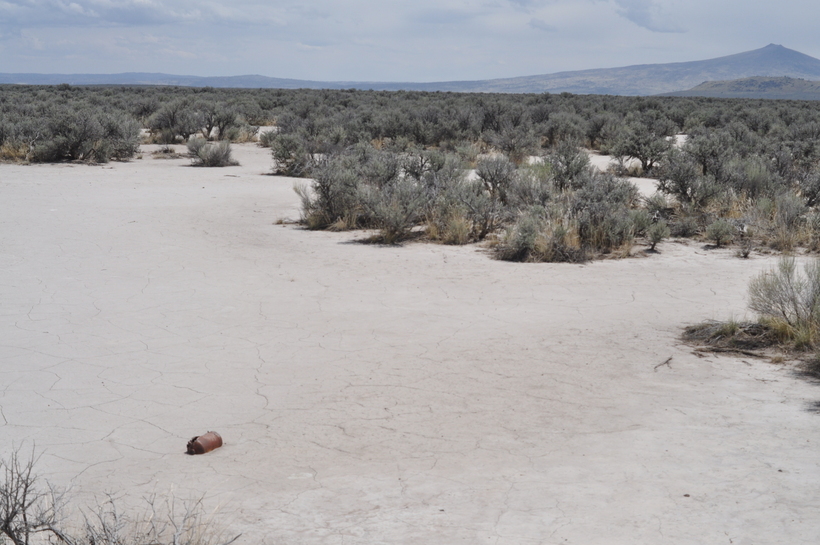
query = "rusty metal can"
x=204 y=443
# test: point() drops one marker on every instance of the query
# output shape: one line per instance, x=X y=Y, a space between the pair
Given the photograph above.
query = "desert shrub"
x=195 y=145
x=177 y=118
x=86 y=135
x=516 y=142
x=449 y=198
x=750 y=176
x=704 y=191
x=679 y=176
x=267 y=138
x=497 y=174
x=658 y=206
x=641 y=221
x=599 y=127
x=781 y=221
x=602 y=211
x=535 y=237
x=333 y=197
x=738 y=153
x=656 y=233
x=720 y=232
x=120 y=139
x=215 y=119
x=710 y=150
x=789 y=300
x=789 y=210
x=446 y=174
x=207 y=154
x=224 y=119
x=395 y=208
x=533 y=186
x=242 y=132
x=484 y=213
x=568 y=162
x=291 y=156
x=72 y=136
x=522 y=240
x=468 y=152
x=455 y=228
x=561 y=126
x=642 y=143
x=684 y=226
x=420 y=163
x=808 y=187
x=381 y=168
x=677 y=173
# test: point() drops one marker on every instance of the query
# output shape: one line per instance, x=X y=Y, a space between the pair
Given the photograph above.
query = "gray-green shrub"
x=602 y=209
x=720 y=232
x=395 y=207
x=207 y=154
x=86 y=135
x=533 y=186
x=656 y=233
x=497 y=174
x=569 y=162
x=333 y=197
x=291 y=156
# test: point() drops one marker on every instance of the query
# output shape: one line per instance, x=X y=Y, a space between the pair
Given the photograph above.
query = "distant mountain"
x=150 y=78
x=646 y=79
x=649 y=79
x=756 y=87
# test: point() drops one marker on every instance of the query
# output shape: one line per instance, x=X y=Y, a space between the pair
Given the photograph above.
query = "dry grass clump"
x=787 y=301
x=166 y=152
x=453 y=228
x=14 y=152
x=535 y=238
x=732 y=336
x=34 y=512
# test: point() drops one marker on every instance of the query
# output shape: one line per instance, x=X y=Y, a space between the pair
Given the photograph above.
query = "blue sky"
x=388 y=40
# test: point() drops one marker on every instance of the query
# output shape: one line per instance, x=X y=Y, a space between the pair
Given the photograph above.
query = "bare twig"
x=722 y=350
x=666 y=363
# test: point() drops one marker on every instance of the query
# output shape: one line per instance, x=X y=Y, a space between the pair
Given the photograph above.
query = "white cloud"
x=647 y=14
x=542 y=25
x=424 y=40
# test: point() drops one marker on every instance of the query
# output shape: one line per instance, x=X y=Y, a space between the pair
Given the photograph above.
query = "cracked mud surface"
x=369 y=394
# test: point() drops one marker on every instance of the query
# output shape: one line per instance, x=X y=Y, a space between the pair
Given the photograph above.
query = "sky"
x=388 y=40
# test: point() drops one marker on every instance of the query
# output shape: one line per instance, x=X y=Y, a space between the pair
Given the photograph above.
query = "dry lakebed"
x=382 y=394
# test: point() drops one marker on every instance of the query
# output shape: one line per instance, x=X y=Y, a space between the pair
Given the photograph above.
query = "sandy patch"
x=367 y=394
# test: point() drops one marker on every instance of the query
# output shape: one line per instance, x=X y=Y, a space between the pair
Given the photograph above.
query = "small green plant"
x=656 y=233
x=720 y=232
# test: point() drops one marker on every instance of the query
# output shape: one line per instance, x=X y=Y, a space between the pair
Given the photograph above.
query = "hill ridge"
x=773 y=60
